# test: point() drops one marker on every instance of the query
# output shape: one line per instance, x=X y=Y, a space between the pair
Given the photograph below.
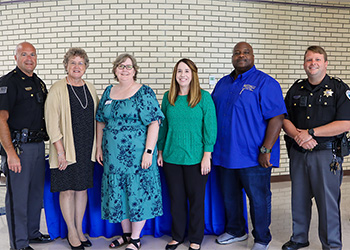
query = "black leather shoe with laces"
x=292 y=245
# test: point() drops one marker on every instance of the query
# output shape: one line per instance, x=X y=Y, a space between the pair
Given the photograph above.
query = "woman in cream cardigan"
x=70 y=120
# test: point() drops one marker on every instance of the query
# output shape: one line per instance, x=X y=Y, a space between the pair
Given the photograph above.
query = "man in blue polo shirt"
x=250 y=111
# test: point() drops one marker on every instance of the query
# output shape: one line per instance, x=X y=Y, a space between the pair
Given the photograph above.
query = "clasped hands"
x=304 y=139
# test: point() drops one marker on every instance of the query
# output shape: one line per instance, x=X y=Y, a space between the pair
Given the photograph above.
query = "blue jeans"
x=256 y=183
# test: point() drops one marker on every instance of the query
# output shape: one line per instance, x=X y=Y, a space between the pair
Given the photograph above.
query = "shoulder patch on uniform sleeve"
x=347 y=93
x=3 y=90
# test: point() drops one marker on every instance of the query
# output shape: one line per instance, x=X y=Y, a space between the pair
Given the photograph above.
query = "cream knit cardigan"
x=59 y=122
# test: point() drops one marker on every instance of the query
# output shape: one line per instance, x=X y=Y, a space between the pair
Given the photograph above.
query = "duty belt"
x=29 y=136
x=320 y=146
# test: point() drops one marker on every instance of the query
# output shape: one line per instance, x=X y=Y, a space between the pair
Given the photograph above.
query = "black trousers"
x=24 y=196
x=185 y=182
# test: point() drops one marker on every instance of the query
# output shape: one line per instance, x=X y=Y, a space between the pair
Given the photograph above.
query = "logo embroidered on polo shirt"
x=247 y=87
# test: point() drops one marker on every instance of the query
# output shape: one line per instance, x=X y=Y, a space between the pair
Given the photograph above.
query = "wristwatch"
x=311 y=131
x=149 y=151
x=265 y=150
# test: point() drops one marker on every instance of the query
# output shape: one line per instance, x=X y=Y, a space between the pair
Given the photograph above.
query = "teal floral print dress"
x=128 y=191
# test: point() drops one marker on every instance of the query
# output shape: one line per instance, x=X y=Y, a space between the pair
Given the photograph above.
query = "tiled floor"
x=280 y=227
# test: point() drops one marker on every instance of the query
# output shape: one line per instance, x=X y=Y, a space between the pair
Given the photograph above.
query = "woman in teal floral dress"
x=128 y=118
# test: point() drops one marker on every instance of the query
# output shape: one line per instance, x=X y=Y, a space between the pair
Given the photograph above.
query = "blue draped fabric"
x=94 y=226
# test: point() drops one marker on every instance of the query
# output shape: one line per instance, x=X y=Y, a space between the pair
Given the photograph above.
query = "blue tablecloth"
x=95 y=226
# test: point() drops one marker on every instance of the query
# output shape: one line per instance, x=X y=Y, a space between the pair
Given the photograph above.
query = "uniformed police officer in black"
x=22 y=135
x=318 y=117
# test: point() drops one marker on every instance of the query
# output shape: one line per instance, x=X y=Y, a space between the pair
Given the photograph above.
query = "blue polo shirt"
x=243 y=108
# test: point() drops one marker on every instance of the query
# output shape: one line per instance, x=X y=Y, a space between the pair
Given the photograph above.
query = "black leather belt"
x=320 y=146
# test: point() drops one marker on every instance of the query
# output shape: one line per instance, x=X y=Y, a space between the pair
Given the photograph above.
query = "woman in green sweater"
x=186 y=140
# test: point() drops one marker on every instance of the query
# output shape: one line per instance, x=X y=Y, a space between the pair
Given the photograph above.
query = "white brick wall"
x=160 y=32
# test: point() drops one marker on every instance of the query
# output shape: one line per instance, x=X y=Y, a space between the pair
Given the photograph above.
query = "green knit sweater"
x=186 y=133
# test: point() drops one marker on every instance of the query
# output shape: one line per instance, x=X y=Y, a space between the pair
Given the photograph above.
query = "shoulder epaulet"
x=4 y=78
x=299 y=80
x=336 y=78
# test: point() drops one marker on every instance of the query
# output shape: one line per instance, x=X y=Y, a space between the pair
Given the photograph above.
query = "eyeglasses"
x=80 y=64
x=122 y=66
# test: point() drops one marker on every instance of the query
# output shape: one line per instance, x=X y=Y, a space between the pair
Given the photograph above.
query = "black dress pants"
x=185 y=182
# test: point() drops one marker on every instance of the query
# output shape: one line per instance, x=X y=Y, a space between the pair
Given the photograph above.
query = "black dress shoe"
x=23 y=248
x=86 y=243
x=173 y=246
x=43 y=238
x=292 y=245
x=77 y=247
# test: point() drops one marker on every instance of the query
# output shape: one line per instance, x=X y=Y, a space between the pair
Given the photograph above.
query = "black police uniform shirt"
x=311 y=106
x=23 y=97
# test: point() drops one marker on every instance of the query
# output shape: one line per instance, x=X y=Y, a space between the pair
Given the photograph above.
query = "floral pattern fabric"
x=128 y=191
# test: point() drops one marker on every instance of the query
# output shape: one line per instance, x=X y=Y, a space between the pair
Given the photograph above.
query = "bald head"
x=243 y=44
x=25 y=56
x=243 y=57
